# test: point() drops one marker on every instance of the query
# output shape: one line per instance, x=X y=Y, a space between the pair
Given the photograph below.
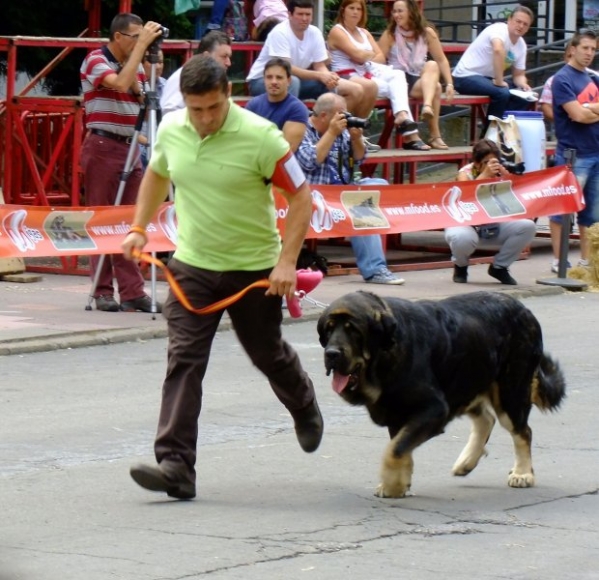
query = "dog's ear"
x=320 y=327
x=382 y=327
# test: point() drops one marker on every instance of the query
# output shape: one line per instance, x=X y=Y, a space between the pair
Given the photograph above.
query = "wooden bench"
x=398 y=157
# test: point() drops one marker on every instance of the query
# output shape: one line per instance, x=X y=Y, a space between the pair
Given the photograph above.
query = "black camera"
x=513 y=167
x=165 y=32
x=356 y=122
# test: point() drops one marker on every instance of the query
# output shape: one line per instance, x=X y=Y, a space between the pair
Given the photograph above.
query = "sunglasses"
x=587 y=32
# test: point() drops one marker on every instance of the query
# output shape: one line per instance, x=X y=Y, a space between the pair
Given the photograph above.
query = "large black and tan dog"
x=417 y=365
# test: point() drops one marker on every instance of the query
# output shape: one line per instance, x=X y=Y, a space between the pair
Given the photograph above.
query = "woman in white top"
x=406 y=43
x=356 y=56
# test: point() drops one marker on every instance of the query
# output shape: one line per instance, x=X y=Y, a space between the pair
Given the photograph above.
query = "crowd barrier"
x=338 y=211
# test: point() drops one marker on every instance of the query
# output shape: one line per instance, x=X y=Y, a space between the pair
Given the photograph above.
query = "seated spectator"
x=217 y=45
x=356 y=56
x=287 y=112
x=405 y=44
x=498 y=49
x=511 y=237
x=267 y=14
x=302 y=44
x=327 y=155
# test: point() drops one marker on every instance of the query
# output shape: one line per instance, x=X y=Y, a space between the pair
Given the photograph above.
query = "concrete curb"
x=64 y=341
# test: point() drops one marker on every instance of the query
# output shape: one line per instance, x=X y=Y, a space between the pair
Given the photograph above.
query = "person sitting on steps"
x=405 y=43
x=355 y=55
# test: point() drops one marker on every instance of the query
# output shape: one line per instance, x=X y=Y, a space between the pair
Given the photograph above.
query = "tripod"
x=151 y=108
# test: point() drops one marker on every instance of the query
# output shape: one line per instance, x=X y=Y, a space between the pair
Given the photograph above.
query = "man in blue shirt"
x=286 y=111
x=326 y=155
x=576 y=116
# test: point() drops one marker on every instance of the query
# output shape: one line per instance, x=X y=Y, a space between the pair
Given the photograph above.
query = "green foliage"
x=68 y=19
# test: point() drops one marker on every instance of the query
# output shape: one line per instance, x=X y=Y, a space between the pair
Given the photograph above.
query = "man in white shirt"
x=302 y=44
x=498 y=50
x=216 y=44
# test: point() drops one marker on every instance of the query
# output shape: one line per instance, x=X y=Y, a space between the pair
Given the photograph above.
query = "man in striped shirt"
x=112 y=80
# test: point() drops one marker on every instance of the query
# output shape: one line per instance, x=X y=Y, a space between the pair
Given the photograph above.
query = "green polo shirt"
x=225 y=210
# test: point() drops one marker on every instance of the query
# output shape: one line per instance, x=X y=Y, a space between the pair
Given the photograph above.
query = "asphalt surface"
x=74 y=421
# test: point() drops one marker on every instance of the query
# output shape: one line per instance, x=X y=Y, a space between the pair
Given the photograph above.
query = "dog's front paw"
x=385 y=491
x=521 y=479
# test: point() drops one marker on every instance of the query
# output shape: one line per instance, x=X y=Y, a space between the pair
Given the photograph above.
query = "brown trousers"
x=103 y=161
x=256 y=319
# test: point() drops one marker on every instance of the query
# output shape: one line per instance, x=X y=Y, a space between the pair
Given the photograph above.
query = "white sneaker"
x=370 y=147
x=555 y=266
x=583 y=263
x=384 y=276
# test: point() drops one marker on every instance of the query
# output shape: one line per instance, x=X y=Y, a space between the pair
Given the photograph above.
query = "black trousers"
x=256 y=319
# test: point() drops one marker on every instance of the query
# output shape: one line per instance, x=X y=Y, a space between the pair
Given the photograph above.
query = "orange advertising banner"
x=337 y=211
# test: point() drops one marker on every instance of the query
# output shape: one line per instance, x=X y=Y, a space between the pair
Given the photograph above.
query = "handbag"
x=506 y=134
x=235 y=24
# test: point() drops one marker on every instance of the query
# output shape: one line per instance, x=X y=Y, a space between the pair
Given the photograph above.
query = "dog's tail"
x=549 y=385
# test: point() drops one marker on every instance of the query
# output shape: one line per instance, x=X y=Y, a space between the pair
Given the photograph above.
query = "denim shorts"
x=586 y=170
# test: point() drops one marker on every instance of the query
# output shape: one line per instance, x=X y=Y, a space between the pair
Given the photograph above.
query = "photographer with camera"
x=112 y=79
x=333 y=143
x=511 y=237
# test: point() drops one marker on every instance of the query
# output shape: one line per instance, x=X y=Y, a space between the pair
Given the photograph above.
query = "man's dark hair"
x=582 y=33
x=278 y=61
x=121 y=23
x=293 y=4
x=202 y=74
x=525 y=10
x=213 y=39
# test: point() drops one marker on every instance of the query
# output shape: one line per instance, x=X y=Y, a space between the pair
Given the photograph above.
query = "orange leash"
x=181 y=297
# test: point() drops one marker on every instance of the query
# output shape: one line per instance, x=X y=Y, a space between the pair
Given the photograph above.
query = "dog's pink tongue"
x=339 y=382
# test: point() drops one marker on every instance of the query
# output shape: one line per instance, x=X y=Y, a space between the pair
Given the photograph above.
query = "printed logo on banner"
x=167 y=220
x=458 y=210
x=364 y=210
x=322 y=215
x=66 y=230
x=20 y=235
x=499 y=200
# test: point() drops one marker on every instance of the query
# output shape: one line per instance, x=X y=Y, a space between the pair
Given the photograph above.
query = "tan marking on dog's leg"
x=482 y=425
x=522 y=474
x=396 y=474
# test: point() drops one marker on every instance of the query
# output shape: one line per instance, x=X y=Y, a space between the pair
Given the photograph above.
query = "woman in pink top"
x=356 y=56
x=267 y=14
x=406 y=43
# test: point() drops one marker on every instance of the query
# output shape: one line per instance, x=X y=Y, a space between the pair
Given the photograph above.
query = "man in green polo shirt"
x=222 y=160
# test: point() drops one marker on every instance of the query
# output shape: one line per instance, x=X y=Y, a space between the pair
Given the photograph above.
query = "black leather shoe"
x=156 y=478
x=502 y=274
x=308 y=426
x=460 y=274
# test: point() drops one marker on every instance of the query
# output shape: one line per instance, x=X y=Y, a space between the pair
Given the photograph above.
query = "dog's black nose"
x=331 y=356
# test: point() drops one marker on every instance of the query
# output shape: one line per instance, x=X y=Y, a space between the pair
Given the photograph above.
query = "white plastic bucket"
x=532 y=133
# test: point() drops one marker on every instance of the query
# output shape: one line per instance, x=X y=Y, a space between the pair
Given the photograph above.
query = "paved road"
x=75 y=420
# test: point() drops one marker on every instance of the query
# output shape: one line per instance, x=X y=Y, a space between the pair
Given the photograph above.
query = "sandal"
x=416 y=145
x=426 y=113
x=405 y=126
x=438 y=143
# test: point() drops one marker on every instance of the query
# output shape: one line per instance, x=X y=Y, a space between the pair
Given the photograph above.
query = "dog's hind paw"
x=521 y=479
